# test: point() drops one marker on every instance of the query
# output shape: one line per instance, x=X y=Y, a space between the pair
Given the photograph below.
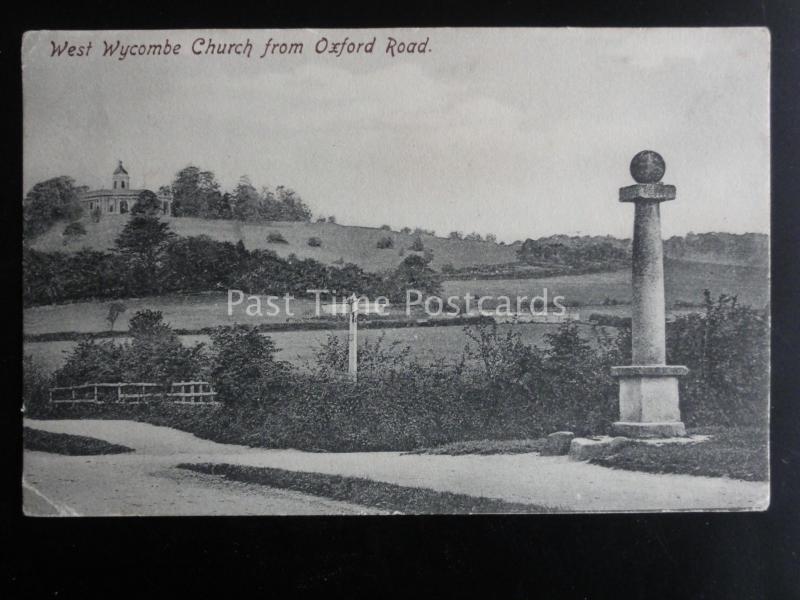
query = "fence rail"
x=179 y=392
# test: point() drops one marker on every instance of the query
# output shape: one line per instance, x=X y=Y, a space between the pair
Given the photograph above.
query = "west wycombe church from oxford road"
x=120 y=199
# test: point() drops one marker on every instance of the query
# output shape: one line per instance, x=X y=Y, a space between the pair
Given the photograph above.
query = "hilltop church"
x=120 y=198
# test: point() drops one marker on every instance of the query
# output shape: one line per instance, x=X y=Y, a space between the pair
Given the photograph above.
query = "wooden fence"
x=180 y=392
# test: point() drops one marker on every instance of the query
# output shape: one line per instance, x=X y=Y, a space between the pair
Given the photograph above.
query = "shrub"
x=243 y=366
x=35 y=387
x=417 y=245
x=448 y=268
x=385 y=243
x=73 y=231
x=727 y=351
x=276 y=237
x=314 y=242
x=154 y=355
x=386 y=227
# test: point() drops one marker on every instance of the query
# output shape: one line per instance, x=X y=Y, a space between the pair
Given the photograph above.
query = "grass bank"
x=484 y=447
x=72 y=445
x=365 y=492
x=735 y=452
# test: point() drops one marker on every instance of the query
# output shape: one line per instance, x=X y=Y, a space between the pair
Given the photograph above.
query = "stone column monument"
x=648 y=389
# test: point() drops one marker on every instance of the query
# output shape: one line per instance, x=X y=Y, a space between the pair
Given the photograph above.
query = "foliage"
x=147 y=203
x=35 y=386
x=276 y=237
x=726 y=349
x=195 y=193
x=243 y=366
x=417 y=245
x=143 y=243
x=414 y=273
x=385 y=243
x=455 y=235
x=154 y=355
x=73 y=231
x=315 y=242
x=55 y=199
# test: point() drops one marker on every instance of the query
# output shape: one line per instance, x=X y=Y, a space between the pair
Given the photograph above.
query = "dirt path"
x=146 y=482
x=555 y=482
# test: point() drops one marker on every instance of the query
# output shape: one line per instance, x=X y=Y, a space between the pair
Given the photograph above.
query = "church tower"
x=121 y=178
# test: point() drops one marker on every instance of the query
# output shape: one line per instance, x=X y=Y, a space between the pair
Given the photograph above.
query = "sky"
x=517 y=132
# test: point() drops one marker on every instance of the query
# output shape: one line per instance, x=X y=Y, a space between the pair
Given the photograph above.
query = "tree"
x=147 y=203
x=246 y=203
x=456 y=235
x=143 y=243
x=194 y=192
x=417 y=245
x=243 y=366
x=73 y=231
x=413 y=274
x=115 y=309
x=156 y=354
x=49 y=201
x=292 y=206
x=332 y=219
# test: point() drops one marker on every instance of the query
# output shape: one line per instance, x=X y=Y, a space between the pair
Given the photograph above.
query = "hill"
x=340 y=244
x=345 y=243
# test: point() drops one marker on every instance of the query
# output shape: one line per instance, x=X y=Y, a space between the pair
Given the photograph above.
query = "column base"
x=648 y=430
x=648 y=401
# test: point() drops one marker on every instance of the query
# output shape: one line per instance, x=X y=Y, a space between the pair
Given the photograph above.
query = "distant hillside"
x=346 y=243
x=745 y=249
x=359 y=245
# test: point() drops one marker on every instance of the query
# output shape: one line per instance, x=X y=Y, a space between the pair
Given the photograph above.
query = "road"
x=146 y=482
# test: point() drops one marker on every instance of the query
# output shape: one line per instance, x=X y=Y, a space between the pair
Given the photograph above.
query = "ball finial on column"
x=648 y=167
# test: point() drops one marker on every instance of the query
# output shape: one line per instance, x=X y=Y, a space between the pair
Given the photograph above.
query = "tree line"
x=150 y=259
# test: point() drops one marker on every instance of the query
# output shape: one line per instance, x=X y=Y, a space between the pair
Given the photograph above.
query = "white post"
x=352 y=338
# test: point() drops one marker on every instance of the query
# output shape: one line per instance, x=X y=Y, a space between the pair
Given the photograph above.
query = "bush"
x=727 y=351
x=73 y=231
x=35 y=387
x=315 y=242
x=243 y=368
x=154 y=355
x=417 y=245
x=276 y=238
x=385 y=243
x=386 y=227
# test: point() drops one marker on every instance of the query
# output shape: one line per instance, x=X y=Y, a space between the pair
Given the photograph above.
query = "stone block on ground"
x=557 y=443
x=589 y=448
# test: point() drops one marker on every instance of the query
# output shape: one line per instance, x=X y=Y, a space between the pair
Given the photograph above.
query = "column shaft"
x=648 y=331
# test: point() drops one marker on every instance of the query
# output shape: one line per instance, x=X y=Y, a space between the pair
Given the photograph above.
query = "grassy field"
x=189 y=311
x=683 y=281
x=339 y=242
x=298 y=347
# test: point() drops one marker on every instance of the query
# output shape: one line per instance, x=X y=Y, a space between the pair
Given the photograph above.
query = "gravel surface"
x=146 y=482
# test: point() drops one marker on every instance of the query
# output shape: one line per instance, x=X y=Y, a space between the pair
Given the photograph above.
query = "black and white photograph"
x=409 y=271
